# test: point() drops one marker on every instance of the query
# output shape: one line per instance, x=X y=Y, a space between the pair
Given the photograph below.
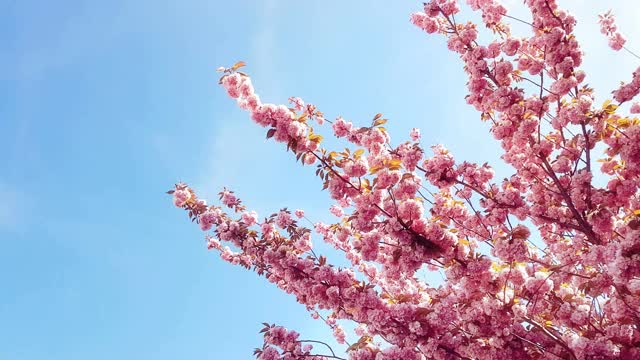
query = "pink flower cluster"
x=283 y=344
x=609 y=28
x=627 y=92
x=542 y=263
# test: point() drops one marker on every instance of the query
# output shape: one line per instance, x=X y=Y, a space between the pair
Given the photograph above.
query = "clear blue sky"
x=105 y=104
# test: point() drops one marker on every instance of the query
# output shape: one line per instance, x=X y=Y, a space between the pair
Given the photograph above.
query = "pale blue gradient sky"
x=105 y=104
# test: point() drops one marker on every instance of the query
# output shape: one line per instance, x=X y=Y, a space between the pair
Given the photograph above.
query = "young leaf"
x=379 y=122
x=238 y=65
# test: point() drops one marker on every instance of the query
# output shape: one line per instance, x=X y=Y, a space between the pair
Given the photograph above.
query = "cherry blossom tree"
x=541 y=264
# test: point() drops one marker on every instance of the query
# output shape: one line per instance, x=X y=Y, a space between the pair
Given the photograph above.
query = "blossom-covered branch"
x=544 y=263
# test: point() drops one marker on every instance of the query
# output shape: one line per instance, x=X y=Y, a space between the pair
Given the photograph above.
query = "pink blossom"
x=339 y=334
x=337 y=211
x=297 y=103
x=208 y=219
x=180 y=197
x=341 y=127
x=269 y=353
x=250 y=218
x=610 y=29
x=511 y=46
x=228 y=198
x=617 y=41
x=410 y=210
x=415 y=134
x=283 y=220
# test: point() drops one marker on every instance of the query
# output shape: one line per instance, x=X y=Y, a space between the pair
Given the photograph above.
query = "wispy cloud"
x=229 y=137
x=263 y=44
x=13 y=203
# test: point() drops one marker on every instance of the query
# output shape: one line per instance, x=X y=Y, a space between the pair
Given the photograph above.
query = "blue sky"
x=105 y=104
